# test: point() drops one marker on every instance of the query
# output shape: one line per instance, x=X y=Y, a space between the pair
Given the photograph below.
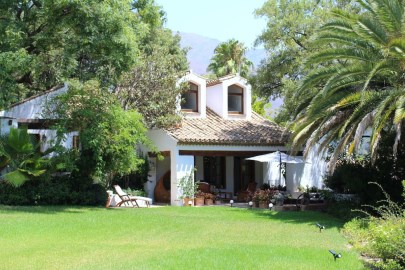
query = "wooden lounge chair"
x=129 y=199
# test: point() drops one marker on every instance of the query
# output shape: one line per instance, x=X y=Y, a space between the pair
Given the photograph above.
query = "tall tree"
x=229 y=58
x=109 y=136
x=151 y=86
x=290 y=26
x=45 y=42
x=361 y=77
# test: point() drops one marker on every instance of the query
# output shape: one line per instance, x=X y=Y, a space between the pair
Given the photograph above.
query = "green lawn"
x=169 y=238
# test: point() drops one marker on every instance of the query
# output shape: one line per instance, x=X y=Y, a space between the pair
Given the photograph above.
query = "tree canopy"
x=45 y=42
x=109 y=136
x=360 y=77
x=290 y=26
x=229 y=58
x=119 y=60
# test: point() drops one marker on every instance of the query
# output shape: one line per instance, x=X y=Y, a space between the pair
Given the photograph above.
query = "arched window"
x=235 y=99
x=190 y=99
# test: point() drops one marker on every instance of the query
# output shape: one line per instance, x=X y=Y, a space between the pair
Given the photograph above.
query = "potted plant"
x=199 y=198
x=188 y=188
x=209 y=198
x=278 y=198
x=218 y=199
x=263 y=197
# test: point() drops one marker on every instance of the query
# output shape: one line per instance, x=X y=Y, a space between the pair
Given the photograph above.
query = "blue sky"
x=218 y=19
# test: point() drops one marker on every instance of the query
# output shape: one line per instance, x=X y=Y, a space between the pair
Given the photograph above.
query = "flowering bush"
x=209 y=196
x=200 y=194
x=263 y=195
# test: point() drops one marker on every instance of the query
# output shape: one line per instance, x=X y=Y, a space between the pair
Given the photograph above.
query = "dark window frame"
x=193 y=92
x=241 y=99
x=208 y=164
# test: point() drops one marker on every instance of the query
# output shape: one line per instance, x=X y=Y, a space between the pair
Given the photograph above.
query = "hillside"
x=202 y=49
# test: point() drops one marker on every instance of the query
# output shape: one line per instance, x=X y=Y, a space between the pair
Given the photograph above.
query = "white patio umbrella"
x=277 y=157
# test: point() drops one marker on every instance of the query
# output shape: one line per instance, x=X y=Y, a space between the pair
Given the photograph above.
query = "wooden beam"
x=226 y=153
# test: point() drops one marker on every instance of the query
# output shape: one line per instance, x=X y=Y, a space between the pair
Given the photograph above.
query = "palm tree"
x=357 y=80
x=19 y=159
x=229 y=58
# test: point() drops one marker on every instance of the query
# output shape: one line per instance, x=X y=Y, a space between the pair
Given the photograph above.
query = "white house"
x=30 y=113
x=217 y=133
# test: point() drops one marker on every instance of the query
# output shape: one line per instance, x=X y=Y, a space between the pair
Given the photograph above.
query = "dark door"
x=244 y=172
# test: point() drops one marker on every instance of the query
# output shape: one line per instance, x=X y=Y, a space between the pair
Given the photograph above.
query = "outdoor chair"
x=129 y=199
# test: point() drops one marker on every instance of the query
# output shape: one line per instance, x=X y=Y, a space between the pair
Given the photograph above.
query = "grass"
x=169 y=238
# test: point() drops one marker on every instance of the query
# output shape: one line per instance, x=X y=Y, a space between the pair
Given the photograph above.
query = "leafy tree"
x=229 y=58
x=151 y=86
x=109 y=136
x=45 y=42
x=361 y=77
x=19 y=158
x=290 y=26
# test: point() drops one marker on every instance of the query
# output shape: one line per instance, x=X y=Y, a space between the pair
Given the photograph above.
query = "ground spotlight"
x=335 y=255
x=321 y=227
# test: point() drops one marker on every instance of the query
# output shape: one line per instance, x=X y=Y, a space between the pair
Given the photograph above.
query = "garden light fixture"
x=251 y=204
x=190 y=203
x=271 y=206
x=231 y=202
x=335 y=255
x=321 y=227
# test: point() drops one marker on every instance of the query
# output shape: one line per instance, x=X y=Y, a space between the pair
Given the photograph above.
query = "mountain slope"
x=202 y=50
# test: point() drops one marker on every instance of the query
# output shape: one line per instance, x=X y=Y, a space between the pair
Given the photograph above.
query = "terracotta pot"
x=199 y=201
x=209 y=201
x=186 y=202
x=264 y=204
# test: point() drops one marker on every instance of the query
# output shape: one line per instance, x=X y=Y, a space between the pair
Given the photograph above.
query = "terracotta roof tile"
x=216 y=130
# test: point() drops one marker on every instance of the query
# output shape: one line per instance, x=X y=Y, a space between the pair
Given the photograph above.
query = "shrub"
x=54 y=191
x=382 y=236
x=263 y=195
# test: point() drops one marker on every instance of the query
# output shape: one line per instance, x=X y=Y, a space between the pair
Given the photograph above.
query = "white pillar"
x=180 y=166
x=149 y=186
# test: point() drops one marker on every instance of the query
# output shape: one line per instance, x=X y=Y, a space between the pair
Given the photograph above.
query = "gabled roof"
x=215 y=130
x=221 y=79
x=53 y=89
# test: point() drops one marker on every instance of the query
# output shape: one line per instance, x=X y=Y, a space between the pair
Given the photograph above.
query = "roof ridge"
x=53 y=89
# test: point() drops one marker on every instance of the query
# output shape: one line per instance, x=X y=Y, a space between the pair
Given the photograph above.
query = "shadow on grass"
x=301 y=217
x=46 y=209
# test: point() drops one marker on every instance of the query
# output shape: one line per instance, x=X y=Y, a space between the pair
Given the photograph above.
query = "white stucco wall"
x=247 y=98
x=5 y=124
x=216 y=100
x=33 y=108
x=202 y=95
x=48 y=138
x=315 y=169
x=271 y=173
x=182 y=166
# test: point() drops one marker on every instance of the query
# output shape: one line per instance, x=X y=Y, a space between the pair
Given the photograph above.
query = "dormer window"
x=190 y=99
x=235 y=99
